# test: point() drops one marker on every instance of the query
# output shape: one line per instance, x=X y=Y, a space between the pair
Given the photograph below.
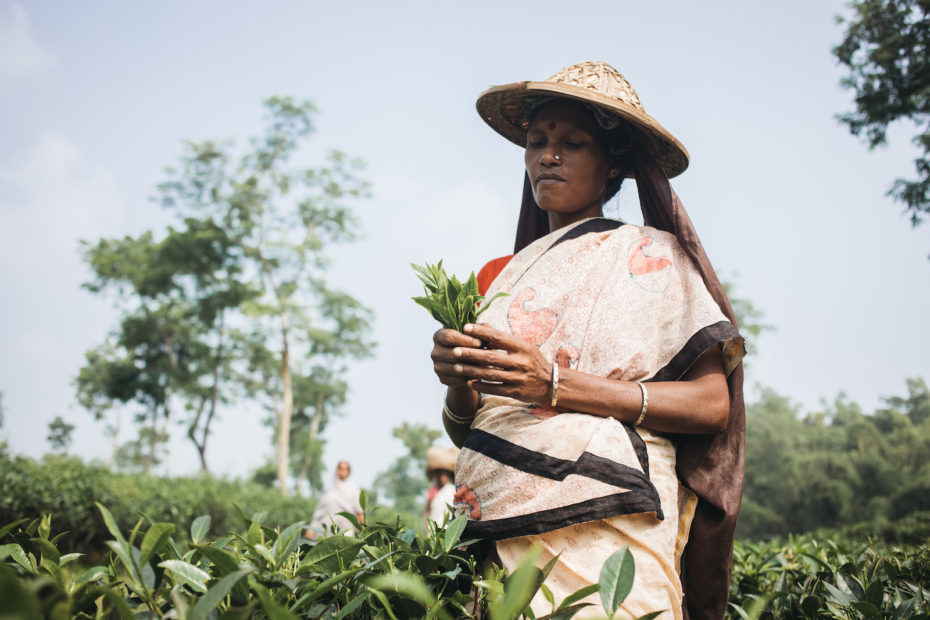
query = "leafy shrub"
x=261 y=572
x=816 y=577
x=67 y=488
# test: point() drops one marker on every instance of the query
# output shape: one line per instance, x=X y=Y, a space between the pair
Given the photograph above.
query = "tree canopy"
x=886 y=48
x=232 y=302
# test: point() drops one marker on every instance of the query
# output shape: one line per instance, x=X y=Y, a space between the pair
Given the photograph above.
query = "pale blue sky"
x=96 y=98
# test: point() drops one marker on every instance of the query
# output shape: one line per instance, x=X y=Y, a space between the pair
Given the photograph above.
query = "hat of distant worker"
x=440 y=458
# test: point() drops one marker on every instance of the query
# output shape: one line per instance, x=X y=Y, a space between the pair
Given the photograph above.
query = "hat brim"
x=504 y=108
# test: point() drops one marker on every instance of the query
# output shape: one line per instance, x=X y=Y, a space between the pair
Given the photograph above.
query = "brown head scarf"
x=710 y=465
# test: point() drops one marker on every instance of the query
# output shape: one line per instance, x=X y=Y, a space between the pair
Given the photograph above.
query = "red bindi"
x=552 y=125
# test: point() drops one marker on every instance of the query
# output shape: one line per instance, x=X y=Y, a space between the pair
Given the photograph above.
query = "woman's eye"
x=535 y=144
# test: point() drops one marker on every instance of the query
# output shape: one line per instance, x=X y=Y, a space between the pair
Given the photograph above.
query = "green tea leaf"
x=215 y=595
x=187 y=573
x=6 y=529
x=154 y=540
x=453 y=532
x=330 y=554
x=616 y=579
x=110 y=522
x=519 y=588
x=579 y=594
x=450 y=301
x=200 y=527
x=94 y=573
x=16 y=552
x=565 y=613
x=272 y=608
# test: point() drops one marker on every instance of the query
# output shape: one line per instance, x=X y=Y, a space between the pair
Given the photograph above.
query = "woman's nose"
x=551 y=157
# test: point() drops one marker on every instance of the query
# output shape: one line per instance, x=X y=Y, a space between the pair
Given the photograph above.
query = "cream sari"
x=613 y=300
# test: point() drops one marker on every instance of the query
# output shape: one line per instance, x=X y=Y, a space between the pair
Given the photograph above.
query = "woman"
x=613 y=363
x=340 y=495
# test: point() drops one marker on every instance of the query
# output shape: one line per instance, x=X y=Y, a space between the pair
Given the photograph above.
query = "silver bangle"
x=642 y=412
x=555 y=384
x=454 y=417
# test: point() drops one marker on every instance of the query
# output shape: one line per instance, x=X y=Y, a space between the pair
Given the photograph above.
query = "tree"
x=279 y=219
x=59 y=434
x=886 y=49
x=404 y=482
x=173 y=295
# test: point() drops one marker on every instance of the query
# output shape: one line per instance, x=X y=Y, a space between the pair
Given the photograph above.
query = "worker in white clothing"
x=440 y=465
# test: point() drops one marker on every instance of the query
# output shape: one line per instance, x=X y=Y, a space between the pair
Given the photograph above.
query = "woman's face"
x=571 y=187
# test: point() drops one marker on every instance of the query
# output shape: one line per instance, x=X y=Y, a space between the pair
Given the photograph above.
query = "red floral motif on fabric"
x=567 y=356
x=641 y=263
x=466 y=498
x=532 y=325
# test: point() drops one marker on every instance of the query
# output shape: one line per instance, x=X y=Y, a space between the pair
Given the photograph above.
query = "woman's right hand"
x=444 y=361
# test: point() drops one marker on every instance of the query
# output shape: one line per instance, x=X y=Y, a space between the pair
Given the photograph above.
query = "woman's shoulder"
x=657 y=236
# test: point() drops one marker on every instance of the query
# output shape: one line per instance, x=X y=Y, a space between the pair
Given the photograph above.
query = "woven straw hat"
x=506 y=110
x=440 y=458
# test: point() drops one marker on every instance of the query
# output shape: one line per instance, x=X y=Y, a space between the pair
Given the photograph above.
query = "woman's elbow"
x=718 y=410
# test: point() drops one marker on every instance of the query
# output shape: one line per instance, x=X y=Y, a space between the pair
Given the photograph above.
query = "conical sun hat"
x=438 y=457
x=507 y=108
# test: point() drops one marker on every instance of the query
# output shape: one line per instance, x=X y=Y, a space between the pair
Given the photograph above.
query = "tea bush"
x=816 y=577
x=384 y=571
x=67 y=488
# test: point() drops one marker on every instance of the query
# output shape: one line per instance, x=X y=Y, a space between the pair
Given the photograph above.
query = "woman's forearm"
x=698 y=404
x=463 y=402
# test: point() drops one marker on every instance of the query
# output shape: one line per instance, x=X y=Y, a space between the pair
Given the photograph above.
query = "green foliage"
x=66 y=487
x=817 y=577
x=837 y=468
x=454 y=304
x=259 y=571
x=172 y=567
x=232 y=300
x=59 y=434
x=886 y=48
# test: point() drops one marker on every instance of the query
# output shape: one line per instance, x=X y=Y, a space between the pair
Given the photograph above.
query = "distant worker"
x=440 y=465
x=340 y=495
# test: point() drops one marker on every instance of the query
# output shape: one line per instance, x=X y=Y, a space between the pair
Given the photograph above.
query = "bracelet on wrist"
x=642 y=412
x=454 y=417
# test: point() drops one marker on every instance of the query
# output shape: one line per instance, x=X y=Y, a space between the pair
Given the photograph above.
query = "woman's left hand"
x=510 y=366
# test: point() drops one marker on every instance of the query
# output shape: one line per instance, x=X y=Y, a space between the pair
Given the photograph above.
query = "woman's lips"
x=548 y=179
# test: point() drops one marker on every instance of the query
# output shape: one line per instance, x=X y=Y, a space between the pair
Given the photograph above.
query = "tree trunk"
x=153 y=439
x=115 y=447
x=287 y=406
x=214 y=397
x=313 y=431
x=192 y=435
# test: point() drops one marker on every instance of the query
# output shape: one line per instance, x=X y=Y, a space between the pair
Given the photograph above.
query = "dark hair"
x=618 y=142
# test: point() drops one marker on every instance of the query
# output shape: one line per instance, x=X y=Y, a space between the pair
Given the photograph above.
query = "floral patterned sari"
x=617 y=301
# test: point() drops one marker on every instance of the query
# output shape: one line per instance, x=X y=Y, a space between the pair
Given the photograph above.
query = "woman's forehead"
x=566 y=112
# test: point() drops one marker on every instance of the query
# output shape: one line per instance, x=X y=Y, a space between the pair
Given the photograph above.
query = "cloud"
x=20 y=54
x=50 y=196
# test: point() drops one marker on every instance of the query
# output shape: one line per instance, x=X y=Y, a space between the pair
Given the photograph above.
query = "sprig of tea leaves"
x=449 y=301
